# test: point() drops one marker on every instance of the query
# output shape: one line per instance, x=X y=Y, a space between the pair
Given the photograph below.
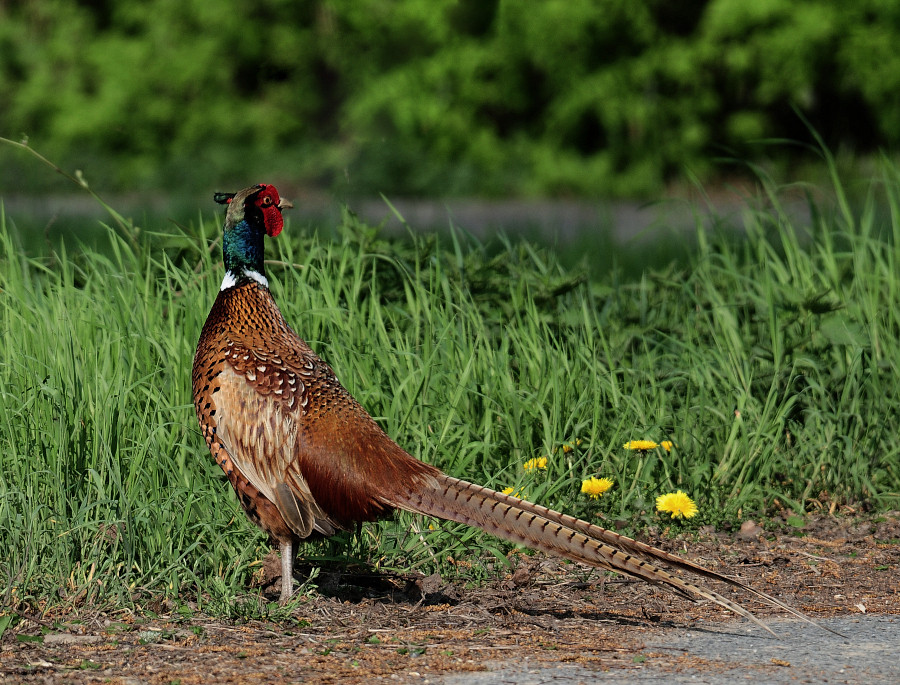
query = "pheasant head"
x=252 y=214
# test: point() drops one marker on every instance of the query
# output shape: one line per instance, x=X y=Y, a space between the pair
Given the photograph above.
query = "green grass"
x=475 y=359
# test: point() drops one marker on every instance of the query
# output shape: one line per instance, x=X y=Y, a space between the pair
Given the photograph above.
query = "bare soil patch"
x=364 y=627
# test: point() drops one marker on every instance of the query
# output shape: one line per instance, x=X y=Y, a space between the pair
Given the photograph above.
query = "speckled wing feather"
x=288 y=425
x=261 y=449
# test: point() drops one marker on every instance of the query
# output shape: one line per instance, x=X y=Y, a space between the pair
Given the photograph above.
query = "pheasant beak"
x=285 y=204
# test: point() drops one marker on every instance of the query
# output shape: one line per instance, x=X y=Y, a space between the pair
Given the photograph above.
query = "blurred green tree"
x=442 y=97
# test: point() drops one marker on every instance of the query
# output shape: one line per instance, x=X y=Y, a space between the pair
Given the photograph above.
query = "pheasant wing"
x=259 y=436
x=299 y=427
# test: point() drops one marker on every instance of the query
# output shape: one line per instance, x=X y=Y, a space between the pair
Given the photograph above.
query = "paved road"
x=555 y=219
x=733 y=653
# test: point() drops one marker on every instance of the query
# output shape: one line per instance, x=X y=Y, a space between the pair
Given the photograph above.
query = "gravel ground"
x=540 y=621
x=733 y=652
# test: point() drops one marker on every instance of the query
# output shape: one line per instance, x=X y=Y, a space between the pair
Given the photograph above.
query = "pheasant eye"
x=266 y=201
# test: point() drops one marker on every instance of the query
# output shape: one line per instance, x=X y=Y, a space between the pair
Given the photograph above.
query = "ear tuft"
x=223 y=198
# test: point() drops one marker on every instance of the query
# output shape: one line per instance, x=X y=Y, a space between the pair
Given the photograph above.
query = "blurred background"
x=553 y=116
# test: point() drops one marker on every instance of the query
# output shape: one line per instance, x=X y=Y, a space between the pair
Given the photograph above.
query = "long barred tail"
x=549 y=531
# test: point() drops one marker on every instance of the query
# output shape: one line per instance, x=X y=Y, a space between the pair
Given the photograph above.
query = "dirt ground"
x=362 y=628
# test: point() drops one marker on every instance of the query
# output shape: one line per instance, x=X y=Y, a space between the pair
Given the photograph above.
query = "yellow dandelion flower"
x=518 y=493
x=594 y=487
x=536 y=463
x=677 y=504
x=641 y=445
x=667 y=445
x=571 y=445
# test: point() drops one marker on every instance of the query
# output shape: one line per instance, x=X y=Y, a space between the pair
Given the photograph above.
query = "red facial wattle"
x=269 y=204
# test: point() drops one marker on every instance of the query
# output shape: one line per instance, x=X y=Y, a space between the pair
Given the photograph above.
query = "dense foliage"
x=438 y=96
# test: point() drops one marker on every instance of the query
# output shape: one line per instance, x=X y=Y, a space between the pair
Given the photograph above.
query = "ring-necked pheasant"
x=304 y=456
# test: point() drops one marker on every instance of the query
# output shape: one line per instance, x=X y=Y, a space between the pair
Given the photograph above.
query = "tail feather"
x=534 y=526
x=649 y=552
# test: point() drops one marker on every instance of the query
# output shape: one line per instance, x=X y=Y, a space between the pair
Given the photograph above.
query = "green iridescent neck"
x=243 y=254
